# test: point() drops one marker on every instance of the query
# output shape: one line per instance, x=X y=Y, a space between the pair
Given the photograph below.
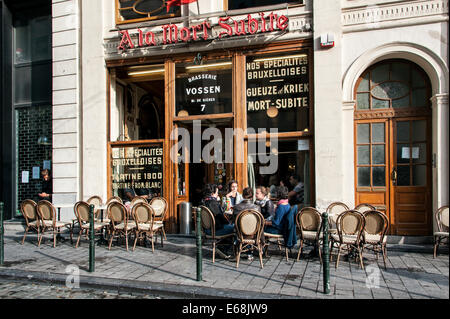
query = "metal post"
x=199 y=246
x=326 y=255
x=91 y=239
x=2 y=248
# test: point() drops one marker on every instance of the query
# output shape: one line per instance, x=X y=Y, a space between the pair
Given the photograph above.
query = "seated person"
x=275 y=226
x=296 y=195
x=128 y=195
x=211 y=201
x=144 y=192
x=246 y=203
x=234 y=197
x=46 y=186
x=263 y=201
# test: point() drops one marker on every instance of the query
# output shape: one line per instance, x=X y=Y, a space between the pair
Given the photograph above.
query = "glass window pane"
x=364 y=84
x=137 y=170
x=378 y=133
x=41 y=38
x=419 y=98
x=22 y=88
x=277 y=92
x=419 y=175
x=417 y=79
x=378 y=154
x=403 y=131
x=419 y=153
x=33 y=84
x=204 y=89
x=363 y=154
x=22 y=41
x=138 y=9
x=400 y=72
x=380 y=74
x=403 y=176
x=402 y=102
x=419 y=131
x=390 y=90
x=362 y=101
x=378 y=176
x=362 y=133
x=379 y=104
x=403 y=153
x=363 y=176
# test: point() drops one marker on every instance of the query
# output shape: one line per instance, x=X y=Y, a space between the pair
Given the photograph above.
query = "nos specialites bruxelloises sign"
x=171 y=33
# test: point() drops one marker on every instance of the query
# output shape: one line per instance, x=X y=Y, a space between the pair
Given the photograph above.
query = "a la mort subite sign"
x=171 y=33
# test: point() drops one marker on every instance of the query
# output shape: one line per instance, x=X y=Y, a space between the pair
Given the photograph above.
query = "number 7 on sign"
x=203 y=107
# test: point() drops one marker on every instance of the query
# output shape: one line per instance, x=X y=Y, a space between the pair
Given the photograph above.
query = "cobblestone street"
x=411 y=274
x=30 y=290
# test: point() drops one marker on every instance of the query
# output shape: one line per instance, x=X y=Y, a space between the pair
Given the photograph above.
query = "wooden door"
x=372 y=163
x=411 y=176
x=393 y=171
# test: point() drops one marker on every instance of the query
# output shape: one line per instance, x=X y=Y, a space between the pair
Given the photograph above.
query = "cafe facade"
x=350 y=96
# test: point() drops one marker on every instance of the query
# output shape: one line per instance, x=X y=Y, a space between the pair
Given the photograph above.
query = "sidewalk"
x=171 y=270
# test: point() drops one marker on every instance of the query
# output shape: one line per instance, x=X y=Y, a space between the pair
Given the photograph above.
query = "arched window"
x=393 y=84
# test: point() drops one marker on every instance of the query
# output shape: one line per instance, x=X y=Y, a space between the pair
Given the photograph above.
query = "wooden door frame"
x=429 y=171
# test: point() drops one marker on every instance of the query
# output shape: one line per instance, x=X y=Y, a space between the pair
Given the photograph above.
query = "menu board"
x=137 y=168
x=278 y=92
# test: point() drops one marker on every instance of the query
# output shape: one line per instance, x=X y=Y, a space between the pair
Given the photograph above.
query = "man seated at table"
x=246 y=203
x=211 y=201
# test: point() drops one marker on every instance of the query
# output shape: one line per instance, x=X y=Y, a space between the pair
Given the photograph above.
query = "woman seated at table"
x=211 y=201
x=263 y=201
x=275 y=225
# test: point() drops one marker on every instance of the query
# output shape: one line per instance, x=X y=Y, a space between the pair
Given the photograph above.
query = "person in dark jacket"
x=246 y=203
x=276 y=225
x=46 y=192
x=263 y=201
x=211 y=201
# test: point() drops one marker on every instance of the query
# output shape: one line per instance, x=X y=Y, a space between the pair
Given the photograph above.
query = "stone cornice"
x=394 y=15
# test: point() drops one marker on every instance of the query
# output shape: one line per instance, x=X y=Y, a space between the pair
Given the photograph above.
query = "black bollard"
x=326 y=255
x=2 y=244
x=91 y=239
x=199 y=245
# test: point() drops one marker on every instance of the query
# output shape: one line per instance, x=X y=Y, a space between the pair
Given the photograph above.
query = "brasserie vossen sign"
x=229 y=27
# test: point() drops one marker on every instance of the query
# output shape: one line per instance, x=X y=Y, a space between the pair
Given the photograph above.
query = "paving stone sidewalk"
x=172 y=268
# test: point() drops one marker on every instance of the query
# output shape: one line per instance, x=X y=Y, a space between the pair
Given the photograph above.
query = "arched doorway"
x=392 y=129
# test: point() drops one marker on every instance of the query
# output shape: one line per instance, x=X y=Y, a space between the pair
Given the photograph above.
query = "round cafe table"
x=59 y=206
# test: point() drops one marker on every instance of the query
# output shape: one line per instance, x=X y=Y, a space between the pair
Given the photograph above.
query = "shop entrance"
x=205 y=167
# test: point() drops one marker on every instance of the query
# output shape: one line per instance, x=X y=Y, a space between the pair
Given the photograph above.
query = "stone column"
x=348 y=157
x=328 y=114
x=440 y=158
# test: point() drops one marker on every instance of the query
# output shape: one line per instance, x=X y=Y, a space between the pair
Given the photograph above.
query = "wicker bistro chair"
x=138 y=199
x=249 y=226
x=119 y=225
x=81 y=210
x=309 y=224
x=159 y=205
x=441 y=216
x=350 y=225
x=28 y=210
x=47 y=219
x=374 y=234
x=145 y=227
x=333 y=211
x=363 y=207
x=208 y=222
x=278 y=237
x=114 y=199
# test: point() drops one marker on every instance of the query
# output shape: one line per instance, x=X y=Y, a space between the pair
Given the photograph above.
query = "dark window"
x=139 y=10
x=242 y=4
